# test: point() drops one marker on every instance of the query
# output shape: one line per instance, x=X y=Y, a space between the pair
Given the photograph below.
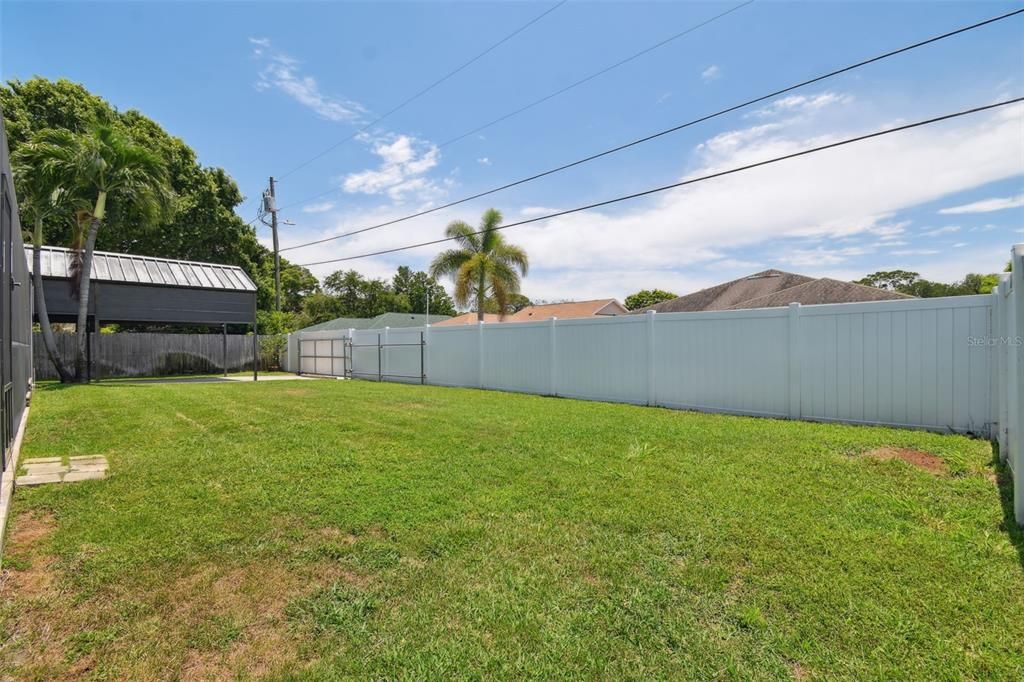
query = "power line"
x=413 y=98
x=552 y=95
x=662 y=133
x=663 y=188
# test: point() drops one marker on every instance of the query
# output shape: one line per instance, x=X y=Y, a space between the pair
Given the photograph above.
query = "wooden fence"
x=136 y=355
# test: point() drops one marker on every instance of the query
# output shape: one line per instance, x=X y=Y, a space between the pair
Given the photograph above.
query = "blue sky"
x=259 y=88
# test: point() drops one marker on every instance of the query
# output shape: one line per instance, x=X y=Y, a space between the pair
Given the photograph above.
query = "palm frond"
x=463 y=234
x=511 y=255
x=447 y=263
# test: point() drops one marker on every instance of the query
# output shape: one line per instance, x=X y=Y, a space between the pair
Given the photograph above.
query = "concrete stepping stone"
x=53 y=470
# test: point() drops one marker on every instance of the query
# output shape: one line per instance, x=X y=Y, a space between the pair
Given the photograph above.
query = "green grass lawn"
x=326 y=529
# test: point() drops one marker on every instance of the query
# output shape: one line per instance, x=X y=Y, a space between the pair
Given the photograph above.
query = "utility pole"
x=277 y=254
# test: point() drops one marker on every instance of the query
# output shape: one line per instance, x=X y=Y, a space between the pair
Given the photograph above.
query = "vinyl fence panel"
x=904 y=363
x=945 y=364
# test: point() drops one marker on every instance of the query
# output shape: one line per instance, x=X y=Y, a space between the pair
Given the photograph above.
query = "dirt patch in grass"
x=25 y=543
x=28 y=587
x=234 y=621
x=921 y=460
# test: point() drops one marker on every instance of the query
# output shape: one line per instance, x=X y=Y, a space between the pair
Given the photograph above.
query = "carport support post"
x=255 y=344
x=224 y=364
x=88 y=354
x=1017 y=379
x=96 y=329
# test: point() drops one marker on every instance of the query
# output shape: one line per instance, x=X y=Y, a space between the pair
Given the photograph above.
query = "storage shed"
x=131 y=289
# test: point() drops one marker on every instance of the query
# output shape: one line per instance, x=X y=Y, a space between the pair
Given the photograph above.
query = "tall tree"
x=647 y=297
x=204 y=227
x=417 y=287
x=484 y=264
x=913 y=284
x=110 y=168
x=46 y=192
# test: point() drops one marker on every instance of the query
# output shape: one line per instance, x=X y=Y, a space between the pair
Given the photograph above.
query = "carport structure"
x=130 y=289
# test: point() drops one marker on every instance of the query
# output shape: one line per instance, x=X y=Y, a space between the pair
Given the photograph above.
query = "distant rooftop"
x=771 y=289
x=55 y=262
x=392 y=320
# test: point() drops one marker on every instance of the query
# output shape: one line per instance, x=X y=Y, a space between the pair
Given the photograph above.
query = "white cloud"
x=803 y=104
x=484 y=161
x=842 y=192
x=949 y=229
x=405 y=160
x=534 y=211
x=960 y=245
x=986 y=205
x=790 y=214
x=819 y=256
x=712 y=73
x=281 y=72
x=321 y=207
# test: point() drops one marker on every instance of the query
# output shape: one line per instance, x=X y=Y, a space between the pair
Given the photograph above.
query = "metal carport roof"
x=128 y=288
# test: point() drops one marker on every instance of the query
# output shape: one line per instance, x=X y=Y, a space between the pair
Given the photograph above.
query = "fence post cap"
x=794 y=305
x=650 y=312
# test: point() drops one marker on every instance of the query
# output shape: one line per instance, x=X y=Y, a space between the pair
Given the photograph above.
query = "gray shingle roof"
x=820 y=291
x=771 y=289
x=123 y=267
x=729 y=294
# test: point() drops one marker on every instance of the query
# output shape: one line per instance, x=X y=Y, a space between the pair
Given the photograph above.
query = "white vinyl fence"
x=945 y=364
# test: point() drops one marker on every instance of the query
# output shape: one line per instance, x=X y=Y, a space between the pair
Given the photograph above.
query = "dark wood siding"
x=142 y=303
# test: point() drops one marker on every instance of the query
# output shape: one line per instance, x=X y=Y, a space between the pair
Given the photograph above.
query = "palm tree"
x=44 y=193
x=109 y=168
x=483 y=265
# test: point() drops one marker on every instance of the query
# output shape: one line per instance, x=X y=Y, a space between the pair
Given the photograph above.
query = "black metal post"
x=99 y=365
x=255 y=344
x=224 y=364
x=88 y=353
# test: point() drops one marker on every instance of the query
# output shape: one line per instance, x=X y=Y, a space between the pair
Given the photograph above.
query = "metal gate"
x=325 y=357
x=336 y=357
x=382 y=347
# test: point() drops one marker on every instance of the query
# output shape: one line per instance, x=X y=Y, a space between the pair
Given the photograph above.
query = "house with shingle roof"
x=568 y=310
x=392 y=320
x=773 y=289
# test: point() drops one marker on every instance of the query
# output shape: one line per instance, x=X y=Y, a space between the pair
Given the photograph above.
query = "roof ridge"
x=122 y=254
x=588 y=300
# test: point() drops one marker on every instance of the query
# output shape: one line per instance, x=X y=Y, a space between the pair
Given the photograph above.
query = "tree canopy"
x=911 y=283
x=204 y=226
x=647 y=297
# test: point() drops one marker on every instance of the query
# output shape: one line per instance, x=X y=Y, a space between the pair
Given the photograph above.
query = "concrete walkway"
x=213 y=380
